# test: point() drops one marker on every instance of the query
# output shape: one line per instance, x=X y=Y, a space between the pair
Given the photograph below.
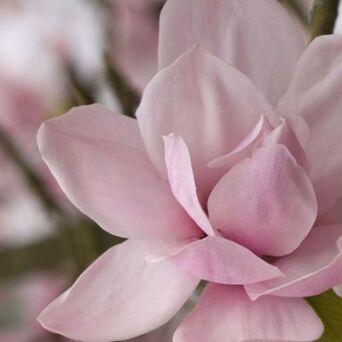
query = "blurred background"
x=56 y=54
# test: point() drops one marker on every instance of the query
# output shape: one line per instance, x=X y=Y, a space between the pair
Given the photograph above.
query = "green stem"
x=323 y=17
x=82 y=94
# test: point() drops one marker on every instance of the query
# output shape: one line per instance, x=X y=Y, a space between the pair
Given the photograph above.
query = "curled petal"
x=181 y=178
x=223 y=261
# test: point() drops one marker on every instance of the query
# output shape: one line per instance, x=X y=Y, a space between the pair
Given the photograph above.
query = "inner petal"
x=265 y=203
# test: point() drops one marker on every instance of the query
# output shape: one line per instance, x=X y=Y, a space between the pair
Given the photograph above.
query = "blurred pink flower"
x=38 y=38
x=231 y=174
x=22 y=219
x=134 y=25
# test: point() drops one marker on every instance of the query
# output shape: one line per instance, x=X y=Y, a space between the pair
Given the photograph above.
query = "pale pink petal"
x=265 y=203
x=120 y=296
x=284 y=135
x=313 y=268
x=98 y=159
x=163 y=249
x=332 y=216
x=219 y=260
x=315 y=94
x=257 y=37
x=181 y=178
x=225 y=313
x=210 y=104
x=245 y=147
x=338 y=290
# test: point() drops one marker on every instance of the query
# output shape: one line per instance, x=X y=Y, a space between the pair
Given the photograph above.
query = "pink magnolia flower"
x=230 y=174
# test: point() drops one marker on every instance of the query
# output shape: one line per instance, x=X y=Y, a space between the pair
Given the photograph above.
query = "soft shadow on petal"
x=313 y=268
x=98 y=159
x=265 y=203
x=119 y=296
x=210 y=104
x=257 y=37
x=225 y=313
x=245 y=148
x=219 y=260
x=284 y=135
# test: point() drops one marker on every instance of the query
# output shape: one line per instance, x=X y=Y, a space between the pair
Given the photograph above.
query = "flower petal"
x=338 y=290
x=225 y=313
x=313 y=268
x=284 y=135
x=120 y=296
x=245 y=147
x=211 y=105
x=179 y=168
x=99 y=161
x=219 y=260
x=314 y=95
x=265 y=203
x=257 y=37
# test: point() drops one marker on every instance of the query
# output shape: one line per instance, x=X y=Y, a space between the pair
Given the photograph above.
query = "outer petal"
x=315 y=94
x=97 y=157
x=265 y=203
x=211 y=105
x=225 y=313
x=313 y=268
x=223 y=261
x=258 y=37
x=120 y=296
x=179 y=168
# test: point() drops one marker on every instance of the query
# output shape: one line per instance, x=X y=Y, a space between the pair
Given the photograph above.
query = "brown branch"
x=127 y=95
x=324 y=17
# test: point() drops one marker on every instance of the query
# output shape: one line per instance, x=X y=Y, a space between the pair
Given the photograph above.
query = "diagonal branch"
x=324 y=17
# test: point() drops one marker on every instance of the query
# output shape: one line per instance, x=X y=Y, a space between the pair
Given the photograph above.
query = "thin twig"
x=127 y=95
x=82 y=94
x=36 y=184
